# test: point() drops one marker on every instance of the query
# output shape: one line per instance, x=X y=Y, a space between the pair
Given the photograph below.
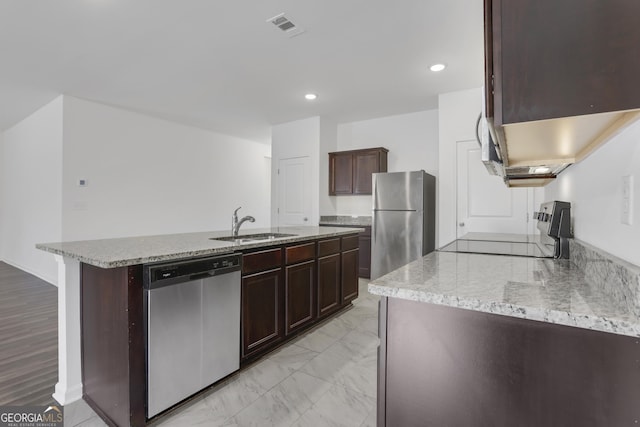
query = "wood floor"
x=28 y=338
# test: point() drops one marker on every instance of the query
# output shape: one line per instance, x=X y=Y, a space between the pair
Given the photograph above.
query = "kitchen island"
x=291 y=278
x=486 y=340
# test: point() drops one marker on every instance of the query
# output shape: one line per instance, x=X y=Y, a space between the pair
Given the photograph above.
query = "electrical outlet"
x=627 y=200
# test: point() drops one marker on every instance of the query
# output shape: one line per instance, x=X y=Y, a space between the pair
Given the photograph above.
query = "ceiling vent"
x=285 y=25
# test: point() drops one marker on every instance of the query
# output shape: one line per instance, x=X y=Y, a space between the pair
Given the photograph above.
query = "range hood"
x=532 y=154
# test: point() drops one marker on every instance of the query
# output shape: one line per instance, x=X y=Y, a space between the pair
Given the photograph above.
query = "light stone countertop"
x=547 y=290
x=343 y=220
x=110 y=253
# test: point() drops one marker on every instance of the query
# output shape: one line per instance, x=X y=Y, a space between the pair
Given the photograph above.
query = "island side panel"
x=137 y=347
x=454 y=367
x=113 y=343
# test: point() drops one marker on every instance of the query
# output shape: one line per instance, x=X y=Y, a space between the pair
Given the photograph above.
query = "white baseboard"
x=65 y=395
x=51 y=280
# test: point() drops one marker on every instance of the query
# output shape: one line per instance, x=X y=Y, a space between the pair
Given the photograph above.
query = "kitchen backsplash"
x=619 y=278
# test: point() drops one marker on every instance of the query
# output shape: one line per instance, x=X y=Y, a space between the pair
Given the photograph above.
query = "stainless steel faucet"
x=235 y=224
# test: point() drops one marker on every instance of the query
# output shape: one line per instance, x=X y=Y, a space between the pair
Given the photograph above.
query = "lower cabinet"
x=286 y=289
x=364 y=244
x=350 y=275
x=299 y=295
x=262 y=323
x=329 y=298
x=445 y=366
x=350 y=268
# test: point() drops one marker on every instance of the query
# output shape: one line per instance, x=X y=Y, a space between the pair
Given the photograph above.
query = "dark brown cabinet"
x=559 y=59
x=349 y=275
x=350 y=258
x=299 y=292
x=261 y=319
x=262 y=298
x=300 y=286
x=113 y=343
x=286 y=289
x=340 y=173
x=329 y=279
x=444 y=366
x=560 y=80
x=364 y=247
x=350 y=171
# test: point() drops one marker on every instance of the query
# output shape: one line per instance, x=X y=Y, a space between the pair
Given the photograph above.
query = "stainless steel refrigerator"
x=404 y=226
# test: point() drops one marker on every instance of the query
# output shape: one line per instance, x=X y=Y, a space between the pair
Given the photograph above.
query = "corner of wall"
x=30 y=171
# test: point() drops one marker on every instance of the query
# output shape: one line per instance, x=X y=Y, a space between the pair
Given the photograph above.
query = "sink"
x=252 y=238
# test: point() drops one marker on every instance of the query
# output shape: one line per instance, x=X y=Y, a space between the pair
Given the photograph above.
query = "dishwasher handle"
x=213 y=273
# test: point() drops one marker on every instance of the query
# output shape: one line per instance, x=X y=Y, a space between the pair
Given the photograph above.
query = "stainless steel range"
x=554 y=223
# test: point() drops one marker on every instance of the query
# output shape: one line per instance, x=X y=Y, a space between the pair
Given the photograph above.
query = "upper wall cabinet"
x=560 y=76
x=350 y=171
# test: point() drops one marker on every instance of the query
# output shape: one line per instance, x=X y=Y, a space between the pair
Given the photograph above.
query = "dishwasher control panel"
x=166 y=273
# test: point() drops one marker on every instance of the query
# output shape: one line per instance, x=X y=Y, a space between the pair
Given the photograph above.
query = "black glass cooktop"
x=494 y=247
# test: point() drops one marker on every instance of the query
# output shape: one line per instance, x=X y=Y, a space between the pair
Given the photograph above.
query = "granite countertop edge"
x=546 y=290
x=111 y=253
x=585 y=321
x=346 y=221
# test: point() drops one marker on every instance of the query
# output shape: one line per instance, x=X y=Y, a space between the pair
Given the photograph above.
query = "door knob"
x=461 y=224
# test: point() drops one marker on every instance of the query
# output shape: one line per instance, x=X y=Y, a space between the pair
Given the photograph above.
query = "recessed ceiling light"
x=437 y=67
x=310 y=96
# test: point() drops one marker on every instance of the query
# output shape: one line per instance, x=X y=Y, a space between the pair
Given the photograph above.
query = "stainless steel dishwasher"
x=192 y=315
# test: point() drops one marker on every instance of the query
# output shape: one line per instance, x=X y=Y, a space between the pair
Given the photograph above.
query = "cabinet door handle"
x=461 y=224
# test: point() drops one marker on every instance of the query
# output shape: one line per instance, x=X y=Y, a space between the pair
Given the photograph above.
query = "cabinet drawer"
x=328 y=247
x=260 y=261
x=350 y=242
x=300 y=253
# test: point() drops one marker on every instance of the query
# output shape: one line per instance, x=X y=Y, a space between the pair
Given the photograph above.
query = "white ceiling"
x=216 y=64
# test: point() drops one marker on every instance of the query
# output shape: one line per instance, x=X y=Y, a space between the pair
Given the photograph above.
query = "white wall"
x=458 y=112
x=328 y=144
x=149 y=176
x=145 y=176
x=412 y=141
x=31 y=181
x=594 y=188
x=300 y=138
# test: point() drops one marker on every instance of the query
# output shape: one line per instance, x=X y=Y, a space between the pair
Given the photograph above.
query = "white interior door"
x=485 y=203
x=294 y=195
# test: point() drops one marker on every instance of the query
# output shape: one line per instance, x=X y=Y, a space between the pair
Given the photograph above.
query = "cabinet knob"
x=305 y=219
x=461 y=224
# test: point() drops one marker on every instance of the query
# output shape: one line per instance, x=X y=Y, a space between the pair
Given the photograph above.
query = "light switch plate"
x=627 y=200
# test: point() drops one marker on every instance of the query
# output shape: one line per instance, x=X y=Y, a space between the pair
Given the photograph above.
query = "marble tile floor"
x=326 y=377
